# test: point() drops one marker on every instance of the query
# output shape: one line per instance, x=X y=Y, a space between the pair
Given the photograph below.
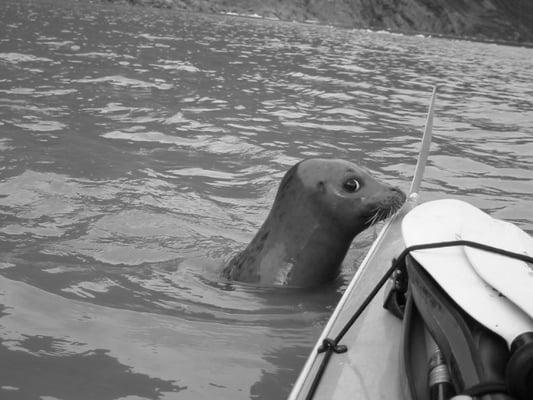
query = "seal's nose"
x=399 y=192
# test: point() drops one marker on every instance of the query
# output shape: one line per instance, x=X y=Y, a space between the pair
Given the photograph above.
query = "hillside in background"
x=499 y=20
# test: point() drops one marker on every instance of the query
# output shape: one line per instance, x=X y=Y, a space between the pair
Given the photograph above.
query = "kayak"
x=451 y=332
x=440 y=308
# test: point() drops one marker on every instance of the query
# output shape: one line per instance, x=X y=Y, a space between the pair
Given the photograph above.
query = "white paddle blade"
x=512 y=277
x=440 y=221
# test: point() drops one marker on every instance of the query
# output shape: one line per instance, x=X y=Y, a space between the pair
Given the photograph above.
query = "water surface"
x=140 y=149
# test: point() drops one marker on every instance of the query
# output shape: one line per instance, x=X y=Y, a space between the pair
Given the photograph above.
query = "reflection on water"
x=140 y=149
x=43 y=370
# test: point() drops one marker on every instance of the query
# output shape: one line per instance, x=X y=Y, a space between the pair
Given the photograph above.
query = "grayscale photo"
x=266 y=200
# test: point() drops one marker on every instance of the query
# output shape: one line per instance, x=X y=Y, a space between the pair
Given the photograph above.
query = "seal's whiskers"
x=375 y=217
x=380 y=214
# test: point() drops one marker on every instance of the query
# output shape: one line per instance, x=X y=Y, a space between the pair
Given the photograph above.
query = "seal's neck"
x=301 y=249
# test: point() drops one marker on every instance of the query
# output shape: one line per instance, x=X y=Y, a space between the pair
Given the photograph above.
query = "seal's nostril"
x=399 y=192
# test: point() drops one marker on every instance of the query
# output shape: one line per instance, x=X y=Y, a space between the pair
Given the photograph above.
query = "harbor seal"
x=320 y=206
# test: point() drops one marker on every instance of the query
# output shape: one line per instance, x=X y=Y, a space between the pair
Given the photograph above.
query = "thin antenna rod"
x=424 y=147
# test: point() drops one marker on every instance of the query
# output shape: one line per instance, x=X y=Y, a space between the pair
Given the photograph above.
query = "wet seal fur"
x=320 y=206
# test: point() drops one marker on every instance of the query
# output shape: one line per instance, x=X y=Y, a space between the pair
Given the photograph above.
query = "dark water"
x=141 y=148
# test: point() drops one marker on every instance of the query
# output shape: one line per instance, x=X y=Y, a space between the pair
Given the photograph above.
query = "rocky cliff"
x=499 y=20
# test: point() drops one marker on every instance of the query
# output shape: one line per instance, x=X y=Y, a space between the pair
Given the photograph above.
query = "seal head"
x=320 y=206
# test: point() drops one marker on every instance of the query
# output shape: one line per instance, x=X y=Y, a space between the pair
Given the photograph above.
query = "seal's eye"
x=351 y=185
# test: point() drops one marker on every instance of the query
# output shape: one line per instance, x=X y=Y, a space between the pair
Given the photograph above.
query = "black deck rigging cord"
x=330 y=346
